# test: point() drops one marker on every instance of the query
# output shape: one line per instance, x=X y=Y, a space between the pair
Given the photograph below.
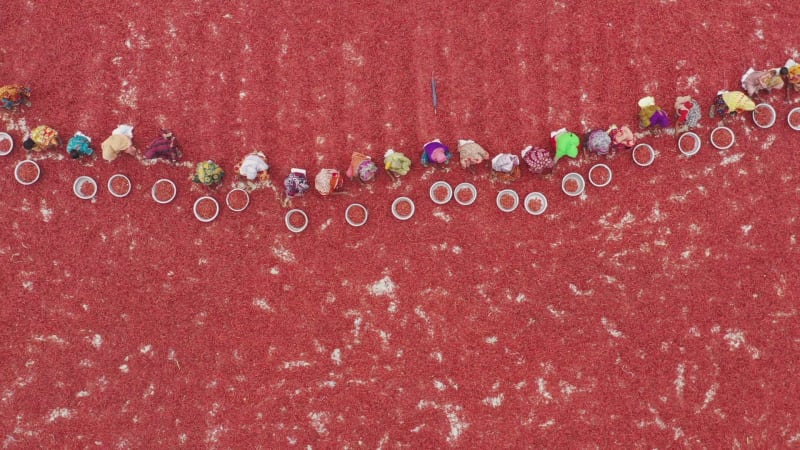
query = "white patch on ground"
x=611 y=328
x=19 y=125
x=679 y=380
x=655 y=215
x=579 y=292
x=52 y=338
x=439 y=385
x=457 y=423
x=295 y=364
x=127 y=96
x=710 y=394
x=442 y=215
x=145 y=349
x=759 y=34
x=261 y=303
x=392 y=308
x=541 y=386
x=350 y=55
x=616 y=233
x=491 y=340
x=319 y=421
x=419 y=312
x=283 y=254
x=124 y=368
x=690 y=82
x=336 y=356
x=97 y=341
x=734 y=338
x=768 y=142
x=382 y=287
x=556 y=313
x=326 y=224
x=567 y=389
x=746 y=229
x=47 y=213
x=60 y=413
x=82 y=394
x=28 y=285
x=494 y=402
x=213 y=434
x=731 y=159
x=150 y=391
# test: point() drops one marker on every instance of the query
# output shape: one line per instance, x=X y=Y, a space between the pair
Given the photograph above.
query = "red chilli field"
x=659 y=311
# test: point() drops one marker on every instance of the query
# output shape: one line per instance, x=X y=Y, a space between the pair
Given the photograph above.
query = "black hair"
x=74 y=154
x=784 y=71
x=29 y=144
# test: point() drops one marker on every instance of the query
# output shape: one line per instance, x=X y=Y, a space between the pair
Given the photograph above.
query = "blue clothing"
x=80 y=143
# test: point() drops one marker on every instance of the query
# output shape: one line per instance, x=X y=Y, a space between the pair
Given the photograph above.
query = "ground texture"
x=657 y=312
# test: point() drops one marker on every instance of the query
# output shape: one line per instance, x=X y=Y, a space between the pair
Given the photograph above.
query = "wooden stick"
x=435 y=98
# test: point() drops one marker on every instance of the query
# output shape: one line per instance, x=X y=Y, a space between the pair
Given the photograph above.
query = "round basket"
x=593 y=175
x=400 y=214
x=507 y=207
x=438 y=186
x=684 y=146
x=154 y=191
x=767 y=110
x=81 y=183
x=356 y=207
x=205 y=218
x=460 y=191
x=21 y=166
x=643 y=161
x=793 y=119
x=6 y=144
x=577 y=178
x=113 y=191
x=715 y=133
x=288 y=220
x=533 y=197
x=237 y=191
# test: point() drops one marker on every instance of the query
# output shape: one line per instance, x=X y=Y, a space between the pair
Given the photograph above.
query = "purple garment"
x=428 y=150
x=598 y=141
x=660 y=118
x=296 y=184
x=163 y=147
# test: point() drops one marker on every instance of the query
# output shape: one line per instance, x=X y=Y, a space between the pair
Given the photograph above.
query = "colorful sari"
x=539 y=160
x=44 y=138
x=361 y=166
x=396 y=163
x=208 y=173
x=13 y=95
x=296 y=184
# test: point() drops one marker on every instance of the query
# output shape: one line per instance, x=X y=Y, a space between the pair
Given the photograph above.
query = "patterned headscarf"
x=539 y=160
x=296 y=184
x=598 y=141
x=327 y=181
